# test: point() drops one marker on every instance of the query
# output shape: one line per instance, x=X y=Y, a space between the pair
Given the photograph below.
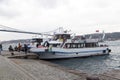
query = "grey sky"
x=81 y=16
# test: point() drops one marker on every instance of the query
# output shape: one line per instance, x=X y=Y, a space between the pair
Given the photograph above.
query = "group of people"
x=18 y=48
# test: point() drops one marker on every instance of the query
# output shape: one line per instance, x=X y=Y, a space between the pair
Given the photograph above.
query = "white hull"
x=57 y=53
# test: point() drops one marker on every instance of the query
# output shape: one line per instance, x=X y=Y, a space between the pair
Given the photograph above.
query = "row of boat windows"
x=81 y=45
x=76 y=45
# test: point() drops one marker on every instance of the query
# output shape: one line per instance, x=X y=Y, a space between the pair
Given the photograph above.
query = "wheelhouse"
x=61 y=36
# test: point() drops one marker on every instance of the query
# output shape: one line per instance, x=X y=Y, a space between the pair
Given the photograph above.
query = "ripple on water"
x=95 y=64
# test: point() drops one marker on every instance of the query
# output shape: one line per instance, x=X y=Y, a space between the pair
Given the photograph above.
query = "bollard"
x=92 y=78
x=12 y=53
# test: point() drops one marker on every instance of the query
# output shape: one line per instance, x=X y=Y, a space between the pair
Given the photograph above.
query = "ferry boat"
x=62 y=45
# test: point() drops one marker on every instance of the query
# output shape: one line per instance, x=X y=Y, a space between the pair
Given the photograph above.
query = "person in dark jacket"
x=0 y=48
x=11 y=50
x=25 y=48
x=16 y=48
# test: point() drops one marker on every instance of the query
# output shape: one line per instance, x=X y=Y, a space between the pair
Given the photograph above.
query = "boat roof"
x=60 y=33
x=55 y=42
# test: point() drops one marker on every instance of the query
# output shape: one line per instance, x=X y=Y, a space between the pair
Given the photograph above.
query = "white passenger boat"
x=63 y=46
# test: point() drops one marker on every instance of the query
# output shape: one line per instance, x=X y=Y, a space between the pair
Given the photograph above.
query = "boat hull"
x=58 y=53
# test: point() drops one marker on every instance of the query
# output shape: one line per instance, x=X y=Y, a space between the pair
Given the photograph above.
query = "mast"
x=103 y=37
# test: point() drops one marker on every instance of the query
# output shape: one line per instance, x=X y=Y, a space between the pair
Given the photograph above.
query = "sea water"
x=95 y=64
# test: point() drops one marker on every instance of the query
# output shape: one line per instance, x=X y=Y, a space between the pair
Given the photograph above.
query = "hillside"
x=108 y=36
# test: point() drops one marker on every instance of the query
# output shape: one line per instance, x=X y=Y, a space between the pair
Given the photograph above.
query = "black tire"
x=104 y=51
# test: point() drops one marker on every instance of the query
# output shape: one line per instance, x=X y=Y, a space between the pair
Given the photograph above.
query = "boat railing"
x=91 y=40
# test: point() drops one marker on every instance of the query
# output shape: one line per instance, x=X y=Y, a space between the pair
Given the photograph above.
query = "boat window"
x=68 y=36
x=55 y=45
x=68 y=45
x=38 y=40
x=91 y=44
x=82 y=45
x=74 y=46
x=97 y=45
x=61 y=36
x=79 y=45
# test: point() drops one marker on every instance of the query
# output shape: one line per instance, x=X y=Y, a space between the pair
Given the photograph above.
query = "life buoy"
x=104 y=51
x=109 y=50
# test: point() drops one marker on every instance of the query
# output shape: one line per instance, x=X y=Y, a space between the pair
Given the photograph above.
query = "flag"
x=97 y=30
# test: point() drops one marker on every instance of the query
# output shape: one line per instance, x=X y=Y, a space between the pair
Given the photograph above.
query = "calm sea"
x=93 y=65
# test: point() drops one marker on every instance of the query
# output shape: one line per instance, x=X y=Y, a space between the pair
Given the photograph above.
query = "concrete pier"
x=35 y=69
x=31 y=69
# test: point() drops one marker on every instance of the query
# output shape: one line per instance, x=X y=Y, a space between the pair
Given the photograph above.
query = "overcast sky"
x=81 y=16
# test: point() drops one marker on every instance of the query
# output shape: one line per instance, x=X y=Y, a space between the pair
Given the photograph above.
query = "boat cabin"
x=61 y=36
x=37 y=40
